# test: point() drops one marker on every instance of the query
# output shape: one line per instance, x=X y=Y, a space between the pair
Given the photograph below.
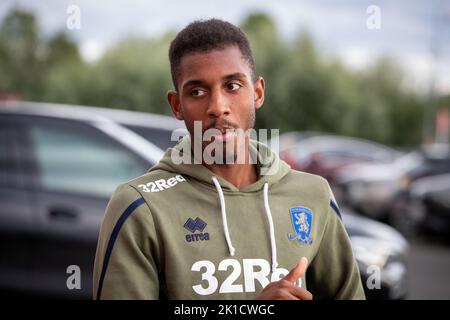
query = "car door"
x=78 y=168
x=15 y=211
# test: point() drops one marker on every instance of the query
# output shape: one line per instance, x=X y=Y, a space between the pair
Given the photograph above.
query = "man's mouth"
x=223 y=133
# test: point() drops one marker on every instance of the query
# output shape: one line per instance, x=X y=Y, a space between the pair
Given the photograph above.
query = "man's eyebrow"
x=192 y=83
x=195 y=82
x=236 y=75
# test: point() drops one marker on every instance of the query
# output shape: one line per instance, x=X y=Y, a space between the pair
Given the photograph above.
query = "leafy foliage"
x=304 y=89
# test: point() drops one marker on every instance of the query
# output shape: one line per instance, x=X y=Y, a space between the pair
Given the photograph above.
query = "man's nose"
x=218 y=105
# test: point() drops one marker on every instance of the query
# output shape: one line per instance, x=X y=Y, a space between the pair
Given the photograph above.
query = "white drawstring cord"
x=269 y=218
x=224 y=215
x=272 y=231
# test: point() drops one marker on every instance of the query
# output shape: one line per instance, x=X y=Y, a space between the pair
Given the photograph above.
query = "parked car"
x=379 y=250
x=372 y=188
x=58 y=168
x=326 y=154
x=424 y=207
x=163 y=131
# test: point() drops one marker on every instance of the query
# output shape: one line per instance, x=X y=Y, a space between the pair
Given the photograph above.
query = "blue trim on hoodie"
x=128 y=211
x=335 y=208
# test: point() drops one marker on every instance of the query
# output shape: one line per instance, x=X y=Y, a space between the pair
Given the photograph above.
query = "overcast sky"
x=409 y=28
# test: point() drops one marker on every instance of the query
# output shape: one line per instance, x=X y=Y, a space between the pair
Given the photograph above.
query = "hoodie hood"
x=179 y=159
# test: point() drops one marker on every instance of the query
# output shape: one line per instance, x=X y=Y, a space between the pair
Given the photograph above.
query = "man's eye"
x=233 y=86
x=197 y=93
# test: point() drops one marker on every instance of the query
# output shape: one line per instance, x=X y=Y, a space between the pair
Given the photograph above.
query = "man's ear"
x=174 y=101
x=259 y=86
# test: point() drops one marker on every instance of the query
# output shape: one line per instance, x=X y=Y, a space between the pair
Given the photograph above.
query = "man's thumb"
x=298 y=271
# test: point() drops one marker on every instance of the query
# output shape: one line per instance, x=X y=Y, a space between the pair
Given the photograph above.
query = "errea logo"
x=196 y=225
x=161 y=184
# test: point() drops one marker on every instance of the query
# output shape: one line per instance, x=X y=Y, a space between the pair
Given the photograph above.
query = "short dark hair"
x=204 y=36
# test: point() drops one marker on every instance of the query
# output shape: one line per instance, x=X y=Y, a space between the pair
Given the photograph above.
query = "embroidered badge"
x=301 y=218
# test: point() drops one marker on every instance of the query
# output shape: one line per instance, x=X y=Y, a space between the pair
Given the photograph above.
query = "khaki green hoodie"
x=179 y=232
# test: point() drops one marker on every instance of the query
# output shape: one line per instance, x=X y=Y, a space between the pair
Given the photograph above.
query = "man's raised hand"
x=286 y=288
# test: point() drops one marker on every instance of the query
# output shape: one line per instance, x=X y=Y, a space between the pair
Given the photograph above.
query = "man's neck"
x=240 y=175
x=241 y=172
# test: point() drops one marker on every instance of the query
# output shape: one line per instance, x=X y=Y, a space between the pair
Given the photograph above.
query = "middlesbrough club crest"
x=302 y=220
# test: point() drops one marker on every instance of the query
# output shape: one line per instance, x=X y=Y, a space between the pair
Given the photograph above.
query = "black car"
x=58 y=168
x=424 y=207
x=378 y=248
x=372 y=188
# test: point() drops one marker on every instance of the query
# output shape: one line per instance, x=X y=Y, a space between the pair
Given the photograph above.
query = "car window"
x=82 y=159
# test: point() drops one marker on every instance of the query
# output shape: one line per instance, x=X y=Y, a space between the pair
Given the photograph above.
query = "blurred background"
x=360 y=91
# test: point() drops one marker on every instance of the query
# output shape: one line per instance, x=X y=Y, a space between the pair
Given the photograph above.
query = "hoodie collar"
x=270 y=167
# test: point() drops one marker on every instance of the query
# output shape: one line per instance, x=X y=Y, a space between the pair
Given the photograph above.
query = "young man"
x=231 y=228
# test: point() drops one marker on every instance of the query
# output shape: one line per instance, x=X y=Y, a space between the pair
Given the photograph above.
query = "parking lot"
x=429 y=264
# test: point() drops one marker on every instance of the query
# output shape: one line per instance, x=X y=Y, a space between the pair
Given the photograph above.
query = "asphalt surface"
x=429 y=269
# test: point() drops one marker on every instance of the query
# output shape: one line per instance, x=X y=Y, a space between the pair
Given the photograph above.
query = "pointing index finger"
x=298 y=271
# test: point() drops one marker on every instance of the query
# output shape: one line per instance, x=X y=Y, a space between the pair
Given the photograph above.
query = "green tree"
x=305 y=90
x=21 y=54
x=134 y=74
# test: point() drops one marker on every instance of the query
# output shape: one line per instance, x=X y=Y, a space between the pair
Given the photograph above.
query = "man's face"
x=216 y=89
